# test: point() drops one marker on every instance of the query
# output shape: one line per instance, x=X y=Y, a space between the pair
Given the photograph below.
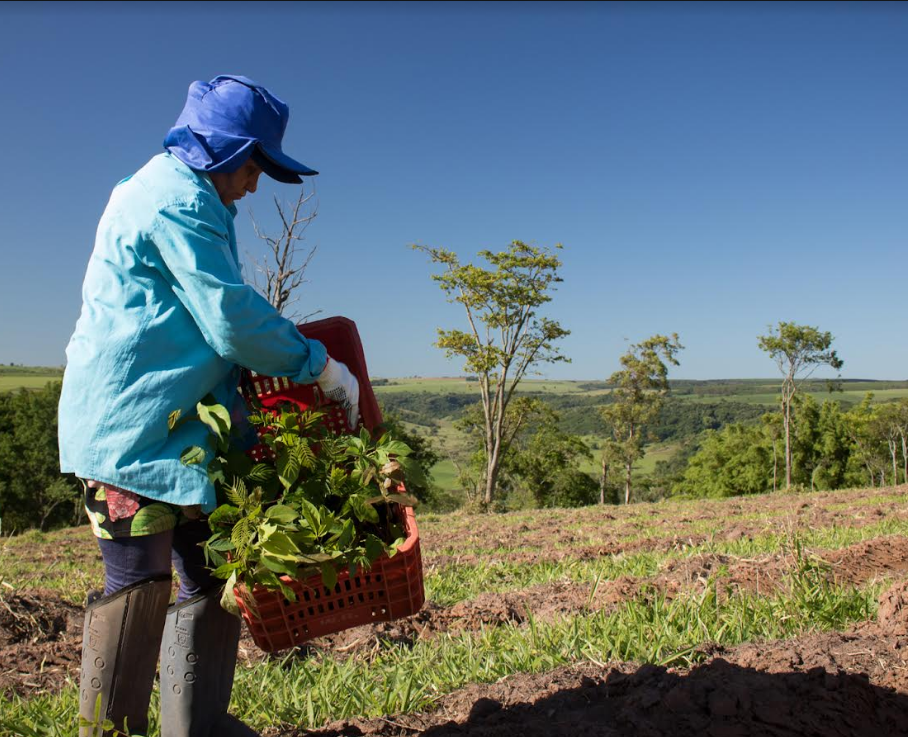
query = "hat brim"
x=277 y=165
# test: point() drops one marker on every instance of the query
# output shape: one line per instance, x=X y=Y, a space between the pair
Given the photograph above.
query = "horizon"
x=453 y=377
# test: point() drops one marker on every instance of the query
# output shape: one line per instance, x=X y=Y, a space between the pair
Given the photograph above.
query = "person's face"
x=236 y=184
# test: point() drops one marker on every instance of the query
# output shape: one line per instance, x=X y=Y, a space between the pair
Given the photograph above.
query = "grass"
x=652 y=629
x=308 y=691
x=11 y=382
x=454 y=385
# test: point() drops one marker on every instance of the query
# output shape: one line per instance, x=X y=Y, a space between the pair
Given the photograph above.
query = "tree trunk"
x=627 y=483
x=603 y=480
x=904 y=459
x=491 y=481
x=893 y=449
x=775 y=465
x=786 y=419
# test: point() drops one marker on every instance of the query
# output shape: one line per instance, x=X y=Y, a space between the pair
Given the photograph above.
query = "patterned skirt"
x=116 y=513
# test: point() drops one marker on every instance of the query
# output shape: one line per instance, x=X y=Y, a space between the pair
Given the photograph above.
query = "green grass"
x=312 y=691
x=11 y=382
x=452 y=385
x=771 y=398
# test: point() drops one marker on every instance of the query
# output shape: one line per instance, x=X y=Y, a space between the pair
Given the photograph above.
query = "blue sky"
x=710 y=169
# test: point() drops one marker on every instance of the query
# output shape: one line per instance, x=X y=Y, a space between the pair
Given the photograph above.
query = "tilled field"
x=811 y=556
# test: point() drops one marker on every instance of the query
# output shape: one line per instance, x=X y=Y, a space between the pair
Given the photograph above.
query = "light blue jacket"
x=166 y=319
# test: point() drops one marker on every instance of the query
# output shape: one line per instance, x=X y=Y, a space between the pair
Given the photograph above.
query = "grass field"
x=769 y=398
x=528 y=607
x=27 y=377
x=11 y=382
x=462 y=386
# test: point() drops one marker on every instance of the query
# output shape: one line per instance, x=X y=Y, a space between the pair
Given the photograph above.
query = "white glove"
x=341 y=386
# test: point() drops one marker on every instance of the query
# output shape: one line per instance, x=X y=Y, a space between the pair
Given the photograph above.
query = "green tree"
x=891 y=424
x=834 y=449
x=542 y=464
x=733 y=461
x=506 y=337
x=867 y=434
x=639 y=391
x=610 y=455
x=798 y=351
x=33 y=492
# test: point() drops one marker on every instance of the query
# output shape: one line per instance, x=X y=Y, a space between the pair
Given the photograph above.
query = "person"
x=167 y=320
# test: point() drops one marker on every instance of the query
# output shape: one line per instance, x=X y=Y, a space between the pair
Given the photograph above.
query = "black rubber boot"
x=198 y=658
x=120 y=644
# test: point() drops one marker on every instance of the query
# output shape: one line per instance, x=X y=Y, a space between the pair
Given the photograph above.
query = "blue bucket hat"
x=228 y=120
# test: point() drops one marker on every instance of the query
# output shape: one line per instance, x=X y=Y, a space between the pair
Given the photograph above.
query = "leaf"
x=392 y=548
x=153 y=519
x=279 y=565
x=311 y=515
x=279 y=545
x=282 y=513
x=237 y=493
x=329 y=575
x=413 y=472
x=226 y=570
x=337 y=479
x=172 y=418
x=225 y=515
x=288 y=467
x=242 y=533
x=192 y=455
x=222 y=545
x=375 y=548
x=228 y=600
x=405 y=500
x=398 y=448
x=260 y=473
x=304 y=455
x=343 y=539
x=215 y=416
x=363 y=510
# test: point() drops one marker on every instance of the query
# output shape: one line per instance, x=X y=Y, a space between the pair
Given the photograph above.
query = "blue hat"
x=226 y=121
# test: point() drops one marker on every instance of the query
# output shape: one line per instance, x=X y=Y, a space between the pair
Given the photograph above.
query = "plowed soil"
x=836 y=683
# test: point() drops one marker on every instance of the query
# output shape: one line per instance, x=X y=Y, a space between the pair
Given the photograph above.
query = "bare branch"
x=281 y=273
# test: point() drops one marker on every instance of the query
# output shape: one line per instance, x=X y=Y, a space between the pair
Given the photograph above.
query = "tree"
x=893 y=427
x=610 y=454
x=506 y=338
x=542 y=464
x=732 y=461
x=798 y=351
x=639 y=392
x=866 y=432
x=33 y=493
x=282 y=271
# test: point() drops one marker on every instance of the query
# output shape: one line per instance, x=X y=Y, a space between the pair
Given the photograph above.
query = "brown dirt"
x=563 y=535
x=40 y=642
x=853 y=684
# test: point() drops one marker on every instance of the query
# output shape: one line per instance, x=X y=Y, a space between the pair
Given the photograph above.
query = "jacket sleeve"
x=193 y=242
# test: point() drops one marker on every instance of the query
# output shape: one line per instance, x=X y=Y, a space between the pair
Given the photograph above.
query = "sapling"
x=311 y=501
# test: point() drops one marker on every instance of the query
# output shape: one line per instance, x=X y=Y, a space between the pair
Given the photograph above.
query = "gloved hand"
x=341 y=386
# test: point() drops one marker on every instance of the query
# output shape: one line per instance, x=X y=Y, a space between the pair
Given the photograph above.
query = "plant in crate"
x=306 y=500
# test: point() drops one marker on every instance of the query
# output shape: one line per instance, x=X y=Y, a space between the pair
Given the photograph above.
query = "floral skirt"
x=115 y=512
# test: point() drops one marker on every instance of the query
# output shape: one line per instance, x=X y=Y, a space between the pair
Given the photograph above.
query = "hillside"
x=776 y=614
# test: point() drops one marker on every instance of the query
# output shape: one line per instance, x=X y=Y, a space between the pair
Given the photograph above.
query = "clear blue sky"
x=710 y=169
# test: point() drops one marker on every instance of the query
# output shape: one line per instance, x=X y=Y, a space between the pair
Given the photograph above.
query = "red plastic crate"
x=393 y=587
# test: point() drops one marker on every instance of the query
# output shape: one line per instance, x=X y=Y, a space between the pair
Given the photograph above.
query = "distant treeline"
x=12 y=368
x=578 y=414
